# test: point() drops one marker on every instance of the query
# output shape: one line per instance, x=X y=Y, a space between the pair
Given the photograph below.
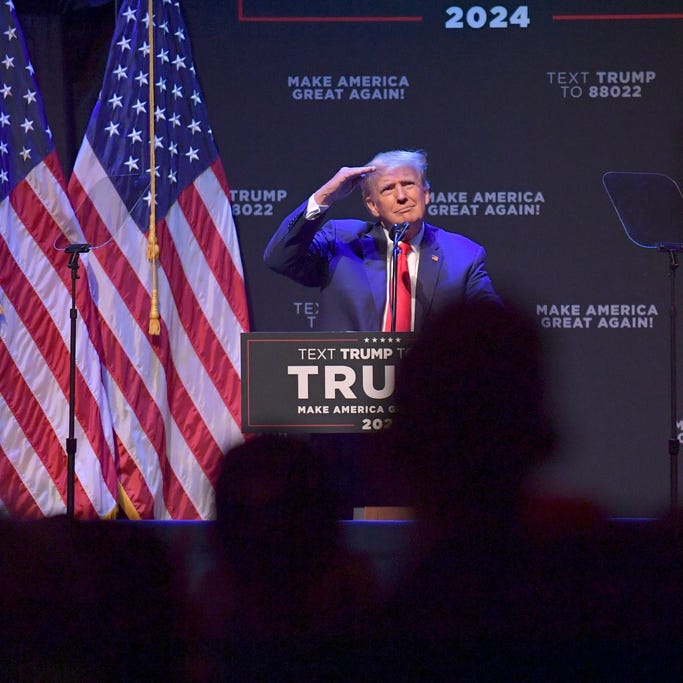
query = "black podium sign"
x=319 y=382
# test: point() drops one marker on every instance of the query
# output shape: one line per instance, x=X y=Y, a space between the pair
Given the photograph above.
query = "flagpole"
x=152 y=244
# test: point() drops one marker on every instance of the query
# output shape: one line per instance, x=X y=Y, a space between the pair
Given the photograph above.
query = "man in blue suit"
x=349 y=260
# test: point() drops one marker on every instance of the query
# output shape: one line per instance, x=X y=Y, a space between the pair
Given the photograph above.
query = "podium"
x=323 y=383
x=295 y=382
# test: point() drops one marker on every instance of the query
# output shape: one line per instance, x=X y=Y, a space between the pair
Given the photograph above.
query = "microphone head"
x=398 y=229
x=78 y=249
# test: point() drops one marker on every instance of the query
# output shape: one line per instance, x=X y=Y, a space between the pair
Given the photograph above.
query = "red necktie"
x=403 y=294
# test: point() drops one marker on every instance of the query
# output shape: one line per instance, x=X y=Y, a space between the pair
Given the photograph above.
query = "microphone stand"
x=74 y=250
x=674 y=445
x=398 y=230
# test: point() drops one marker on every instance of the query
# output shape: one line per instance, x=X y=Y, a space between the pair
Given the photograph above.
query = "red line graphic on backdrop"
x=617 y=17
x=241 y=16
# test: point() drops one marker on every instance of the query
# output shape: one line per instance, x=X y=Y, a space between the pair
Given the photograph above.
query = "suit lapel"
x=431 y=260
x=374 y=245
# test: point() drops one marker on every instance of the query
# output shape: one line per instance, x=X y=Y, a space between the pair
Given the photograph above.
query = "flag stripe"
x=208 y=218
x=201 y=335
x=136 y=489
x=45 y=371
x=42 y=228
x=176 y=400
x=218 y=253
x=129 y=397
x=149 y=407
x=56 y=205
x=22 y=505
x=205 y=449
x=34 y=397
x=35 y=355
x=29 y=437
x=175 y=397
x=124 y=339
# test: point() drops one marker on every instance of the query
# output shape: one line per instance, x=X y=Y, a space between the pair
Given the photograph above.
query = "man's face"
x=397 y=196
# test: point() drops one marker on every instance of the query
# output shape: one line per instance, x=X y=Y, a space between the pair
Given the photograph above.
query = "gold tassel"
x=126 y=505
x=154 y=317
x=152 y=246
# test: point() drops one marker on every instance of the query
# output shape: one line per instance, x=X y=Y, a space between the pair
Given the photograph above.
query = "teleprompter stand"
x=650 y=208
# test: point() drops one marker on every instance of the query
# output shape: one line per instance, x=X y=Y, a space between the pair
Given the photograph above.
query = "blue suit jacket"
x=347 y=260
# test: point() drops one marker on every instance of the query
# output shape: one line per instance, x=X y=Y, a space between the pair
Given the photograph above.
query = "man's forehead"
x=388 y=175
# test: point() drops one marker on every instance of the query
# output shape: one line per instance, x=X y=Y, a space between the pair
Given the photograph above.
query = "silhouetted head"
x=274 y=504
x=472 y=420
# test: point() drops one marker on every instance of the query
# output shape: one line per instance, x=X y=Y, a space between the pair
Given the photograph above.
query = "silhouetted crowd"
x=500 y=582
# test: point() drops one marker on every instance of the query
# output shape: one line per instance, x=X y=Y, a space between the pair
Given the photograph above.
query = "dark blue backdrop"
x=521 y=110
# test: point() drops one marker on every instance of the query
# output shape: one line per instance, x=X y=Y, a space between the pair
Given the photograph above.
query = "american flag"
x=175 y=397
x=36 y=223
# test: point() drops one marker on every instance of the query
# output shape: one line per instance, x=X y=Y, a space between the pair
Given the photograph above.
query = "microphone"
x=78 y=249
x=398 y=230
